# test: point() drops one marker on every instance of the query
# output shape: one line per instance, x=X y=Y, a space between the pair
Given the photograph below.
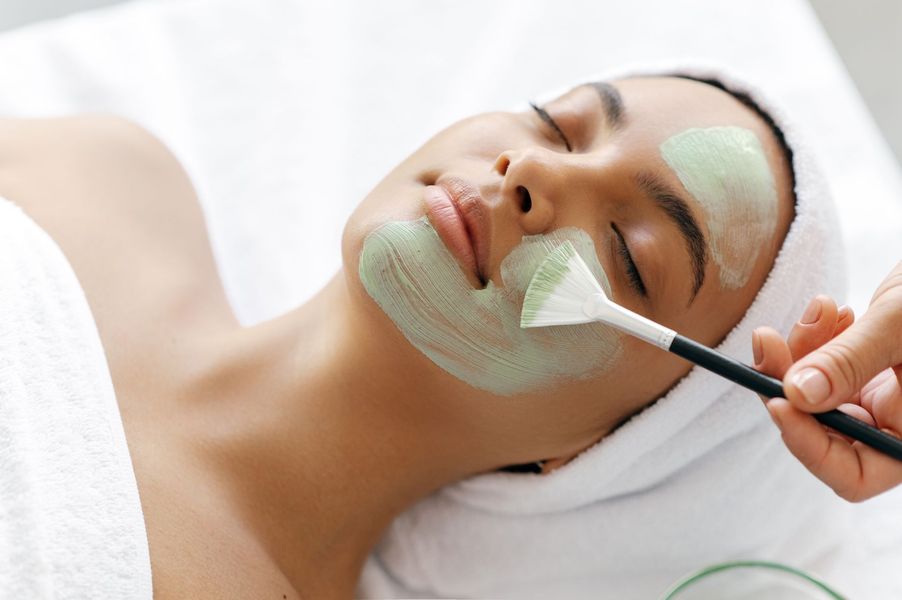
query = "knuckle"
x=839 y=360
x=886 y=303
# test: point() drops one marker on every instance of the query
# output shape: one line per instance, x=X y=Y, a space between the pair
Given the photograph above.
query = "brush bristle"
x=558 y=290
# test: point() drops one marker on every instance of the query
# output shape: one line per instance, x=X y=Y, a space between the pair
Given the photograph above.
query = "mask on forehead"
x=725 y=170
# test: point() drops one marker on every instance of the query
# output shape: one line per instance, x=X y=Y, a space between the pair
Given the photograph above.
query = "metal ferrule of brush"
x=599 y=308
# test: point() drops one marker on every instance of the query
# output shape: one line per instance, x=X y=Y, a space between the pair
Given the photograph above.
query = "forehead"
x=724 y=156
x=669 y=105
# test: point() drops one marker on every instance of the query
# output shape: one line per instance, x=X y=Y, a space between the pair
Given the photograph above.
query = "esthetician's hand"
x=831 y=361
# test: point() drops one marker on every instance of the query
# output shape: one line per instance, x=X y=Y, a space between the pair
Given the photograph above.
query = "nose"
x=536 y=182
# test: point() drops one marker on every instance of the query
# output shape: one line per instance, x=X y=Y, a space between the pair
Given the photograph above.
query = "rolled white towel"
x=71 y=524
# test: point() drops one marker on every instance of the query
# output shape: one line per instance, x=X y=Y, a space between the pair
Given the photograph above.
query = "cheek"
x=475 y=334
x=473 y=143
x=480 y=138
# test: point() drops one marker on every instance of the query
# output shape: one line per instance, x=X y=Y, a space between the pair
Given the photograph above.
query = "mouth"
x=456 y=210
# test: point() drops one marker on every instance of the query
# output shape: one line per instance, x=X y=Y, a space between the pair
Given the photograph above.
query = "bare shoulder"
x=120 y=206
x=23 y=134
x=87 y=144
x=101 y=177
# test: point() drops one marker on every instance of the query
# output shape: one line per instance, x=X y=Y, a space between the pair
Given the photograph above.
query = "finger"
x=856 y=411
x=844 y=318
x=815 y=328
x=807 y=336
x=882 y=397
x=772 y=355
x=830 y=458
x=831 y=374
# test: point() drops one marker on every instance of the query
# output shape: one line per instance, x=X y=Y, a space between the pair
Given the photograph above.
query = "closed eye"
x=629 y=265
x=543 y=114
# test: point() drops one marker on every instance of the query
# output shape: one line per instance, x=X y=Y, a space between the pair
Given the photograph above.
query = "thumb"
x=835 y=372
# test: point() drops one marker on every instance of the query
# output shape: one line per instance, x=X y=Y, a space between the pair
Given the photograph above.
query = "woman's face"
x=675 y=193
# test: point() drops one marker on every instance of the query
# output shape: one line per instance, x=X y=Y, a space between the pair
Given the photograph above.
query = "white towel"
x=70 y=520
x=699 y=477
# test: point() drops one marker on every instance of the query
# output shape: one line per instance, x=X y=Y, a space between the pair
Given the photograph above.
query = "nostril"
x=525 y=199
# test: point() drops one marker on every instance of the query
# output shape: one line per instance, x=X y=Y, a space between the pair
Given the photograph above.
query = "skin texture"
x=270 y=458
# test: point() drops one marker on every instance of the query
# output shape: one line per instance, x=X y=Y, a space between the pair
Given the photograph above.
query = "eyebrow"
x=677 y=210
x=611 y=103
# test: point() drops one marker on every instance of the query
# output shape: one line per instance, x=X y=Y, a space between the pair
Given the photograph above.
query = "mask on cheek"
x=473 y=334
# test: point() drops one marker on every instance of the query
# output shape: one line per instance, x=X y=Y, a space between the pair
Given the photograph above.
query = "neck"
x=321 y=437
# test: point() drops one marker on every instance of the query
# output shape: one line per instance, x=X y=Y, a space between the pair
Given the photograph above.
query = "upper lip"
x=472 y=208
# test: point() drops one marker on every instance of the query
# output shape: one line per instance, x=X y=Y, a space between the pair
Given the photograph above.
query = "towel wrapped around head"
x=700 y=476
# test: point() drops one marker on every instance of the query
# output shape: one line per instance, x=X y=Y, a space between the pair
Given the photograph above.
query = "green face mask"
x=473 y=334
x=725 y=170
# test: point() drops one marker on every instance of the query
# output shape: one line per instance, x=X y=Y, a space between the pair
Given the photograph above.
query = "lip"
x=456 y=210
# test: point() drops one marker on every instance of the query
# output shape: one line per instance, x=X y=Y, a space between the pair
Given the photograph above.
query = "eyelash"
x=543 y=114
x=629 y=264
x=632 y=271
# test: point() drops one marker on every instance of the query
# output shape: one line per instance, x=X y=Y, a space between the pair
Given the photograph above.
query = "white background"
x=865 y=33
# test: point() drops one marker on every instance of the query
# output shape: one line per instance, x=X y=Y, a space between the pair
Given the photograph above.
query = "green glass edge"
x=692 y=578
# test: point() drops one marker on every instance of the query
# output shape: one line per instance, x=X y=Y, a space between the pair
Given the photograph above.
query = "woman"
x=270 y=459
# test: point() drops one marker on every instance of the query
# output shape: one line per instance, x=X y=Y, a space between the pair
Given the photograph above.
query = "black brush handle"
x=767 y=386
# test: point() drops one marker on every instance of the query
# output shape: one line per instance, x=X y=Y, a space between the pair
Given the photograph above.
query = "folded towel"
x=70 y=519
x=700 y=476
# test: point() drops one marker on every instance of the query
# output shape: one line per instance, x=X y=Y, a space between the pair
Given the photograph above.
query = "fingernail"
x=813 y=384
x=757 y=353
x=812 y=313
